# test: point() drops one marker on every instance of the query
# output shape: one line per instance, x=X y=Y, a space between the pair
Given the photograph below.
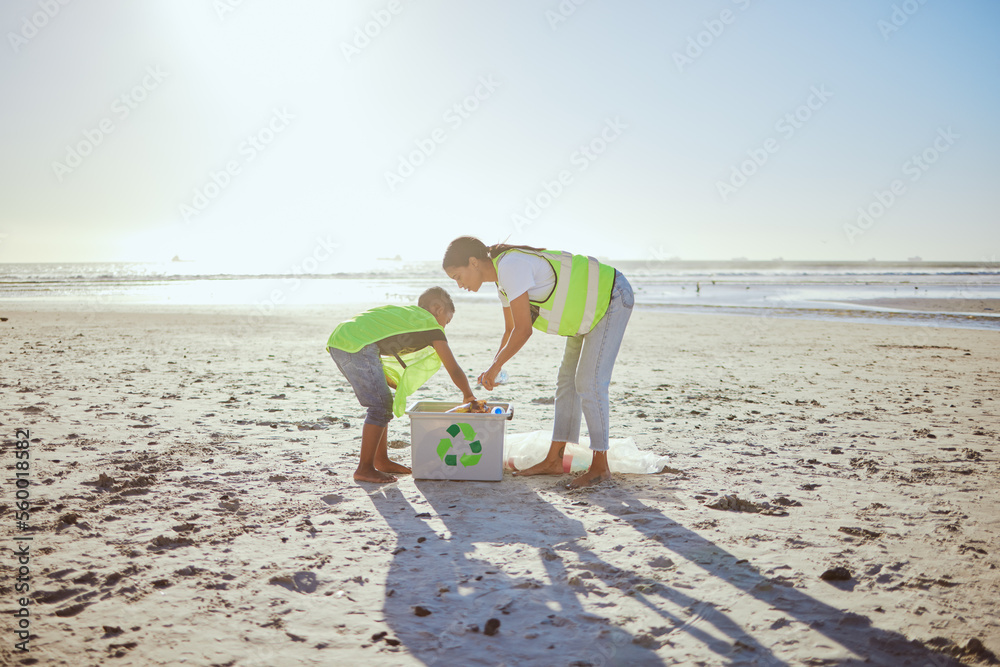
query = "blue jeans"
x=585 y=374
x=363 y=369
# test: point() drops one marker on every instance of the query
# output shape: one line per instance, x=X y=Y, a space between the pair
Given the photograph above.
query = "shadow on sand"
x=461 y=557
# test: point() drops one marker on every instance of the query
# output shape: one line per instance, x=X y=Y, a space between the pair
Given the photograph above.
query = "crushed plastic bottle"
x=501 y=378
x=523 y=450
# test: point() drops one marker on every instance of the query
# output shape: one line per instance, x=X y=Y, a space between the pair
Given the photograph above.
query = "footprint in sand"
x=300 y=582
x=661 y=563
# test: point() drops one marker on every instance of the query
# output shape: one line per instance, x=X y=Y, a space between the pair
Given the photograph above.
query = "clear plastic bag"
x=523 y=450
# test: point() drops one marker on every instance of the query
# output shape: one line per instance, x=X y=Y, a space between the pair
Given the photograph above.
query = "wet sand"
x=979 y=306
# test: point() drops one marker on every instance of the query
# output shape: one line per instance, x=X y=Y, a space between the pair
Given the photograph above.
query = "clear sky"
x=264 y=133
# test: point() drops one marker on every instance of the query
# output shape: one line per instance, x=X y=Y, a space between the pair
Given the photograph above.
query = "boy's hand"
x=468 y=398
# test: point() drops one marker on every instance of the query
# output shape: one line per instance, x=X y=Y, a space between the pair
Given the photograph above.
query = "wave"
x=652 y=270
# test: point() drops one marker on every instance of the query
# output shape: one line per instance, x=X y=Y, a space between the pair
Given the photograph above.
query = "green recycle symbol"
x=465 y=459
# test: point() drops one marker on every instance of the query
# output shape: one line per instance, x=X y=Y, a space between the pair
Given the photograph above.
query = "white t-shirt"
x=519 y=272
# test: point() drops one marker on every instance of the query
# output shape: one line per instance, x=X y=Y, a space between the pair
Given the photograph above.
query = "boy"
x=402 y=346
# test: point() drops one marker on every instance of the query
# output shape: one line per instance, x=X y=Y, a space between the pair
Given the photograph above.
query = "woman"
x=564 y=294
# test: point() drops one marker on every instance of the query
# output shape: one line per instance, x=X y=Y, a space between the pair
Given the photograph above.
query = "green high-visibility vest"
x=377 y=323
x=580 y=296
x=381 y=322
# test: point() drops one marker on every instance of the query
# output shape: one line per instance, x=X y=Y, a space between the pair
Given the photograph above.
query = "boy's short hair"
x=436 y=295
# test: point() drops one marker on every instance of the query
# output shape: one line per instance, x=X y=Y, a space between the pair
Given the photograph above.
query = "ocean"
x=908 y=293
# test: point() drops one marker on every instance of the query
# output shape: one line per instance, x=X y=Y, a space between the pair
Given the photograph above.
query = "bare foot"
x=373 y=475
x=391 y=466
x=546 y=467
x=589 y=478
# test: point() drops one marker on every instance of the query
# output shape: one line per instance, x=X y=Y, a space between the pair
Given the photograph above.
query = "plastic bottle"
x=501 y=378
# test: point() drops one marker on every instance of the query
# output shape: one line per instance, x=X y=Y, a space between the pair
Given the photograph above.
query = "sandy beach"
x=192 y=500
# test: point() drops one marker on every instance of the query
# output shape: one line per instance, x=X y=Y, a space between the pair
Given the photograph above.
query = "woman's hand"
x=488 y=378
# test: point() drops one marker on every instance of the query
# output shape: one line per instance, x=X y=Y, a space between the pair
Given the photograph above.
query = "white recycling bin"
x=457 y=445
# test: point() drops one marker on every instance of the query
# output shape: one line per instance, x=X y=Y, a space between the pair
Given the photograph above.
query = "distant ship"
x=914 y=259
x=397 y=258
